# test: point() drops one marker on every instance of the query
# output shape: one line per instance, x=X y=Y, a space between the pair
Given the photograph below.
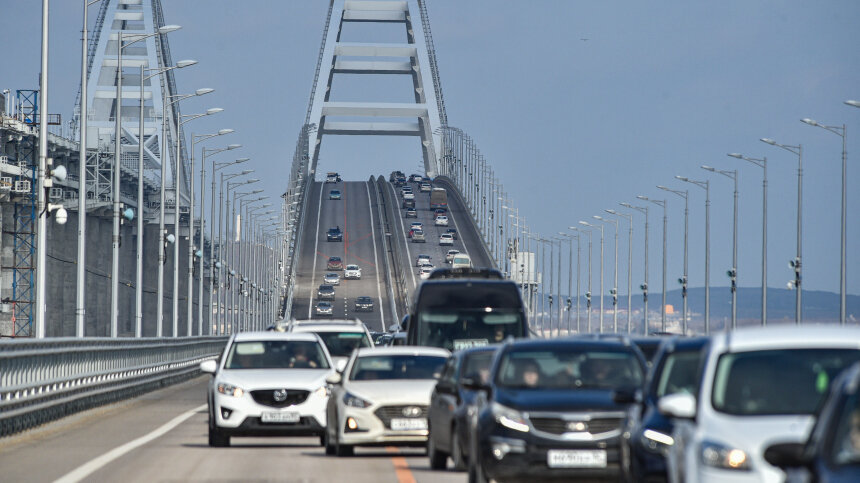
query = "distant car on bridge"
x=364 y=304
x=446 y=239
x=334 y=234
x=334 y=195
x=352 y=272
x=334 y=263
x=332 y=177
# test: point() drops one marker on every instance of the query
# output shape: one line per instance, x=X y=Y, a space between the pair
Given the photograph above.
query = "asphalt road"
x=162 y=436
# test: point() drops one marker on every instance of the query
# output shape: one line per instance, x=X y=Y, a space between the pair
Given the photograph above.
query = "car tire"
x=343 y=449
x=438 y=459
x=457 y=455
x=329 y=448
x=217 y=439
x=476 y=474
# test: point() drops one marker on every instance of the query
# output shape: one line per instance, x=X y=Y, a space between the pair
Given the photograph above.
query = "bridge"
x=101 y=363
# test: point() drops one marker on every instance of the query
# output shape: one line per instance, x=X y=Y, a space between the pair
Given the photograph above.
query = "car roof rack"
x=466 y=272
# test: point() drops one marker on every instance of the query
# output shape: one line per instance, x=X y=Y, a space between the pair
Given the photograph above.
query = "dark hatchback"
x=334 y=235
x=553 y=410
x=832 y=452
x=451 y=404
x=647 y=432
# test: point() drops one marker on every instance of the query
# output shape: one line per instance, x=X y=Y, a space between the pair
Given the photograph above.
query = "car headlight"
x=322 y=391
x=355 y=401
x=230 y=390
x=510 y=418
x=718 y=455
x=656 y=441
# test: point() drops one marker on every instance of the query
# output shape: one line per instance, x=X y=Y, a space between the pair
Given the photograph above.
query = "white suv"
x=758 y=386
x=268 y=384
x=341 y=336
x=352 y=272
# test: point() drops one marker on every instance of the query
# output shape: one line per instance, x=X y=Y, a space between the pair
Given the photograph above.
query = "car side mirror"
x=340 y=365
x=209 y=367
x=394 y=328
x=625 y=396
x=786 y=455
x=333 y=379
x=404 y=324
x=680 y=405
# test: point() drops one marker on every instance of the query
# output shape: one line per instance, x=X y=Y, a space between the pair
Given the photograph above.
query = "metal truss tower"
x=416 y=57
x=128 y=17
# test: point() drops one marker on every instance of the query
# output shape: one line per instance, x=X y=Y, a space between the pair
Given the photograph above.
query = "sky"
x=576 y=105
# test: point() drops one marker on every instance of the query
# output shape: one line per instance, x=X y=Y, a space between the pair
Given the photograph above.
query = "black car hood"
x=558 y=400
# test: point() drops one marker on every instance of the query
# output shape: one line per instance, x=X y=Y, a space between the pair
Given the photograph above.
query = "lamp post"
x=601 y=268
x=629 y=261
x=684 y=280
x=117 y=170
x=705 y=185
x=761 y=163
x=733 y=272
x=614 y=290
x=196 y=138
x=212 y=263
x=226 y=256
x=138 y=292
x=587 y=292
x=80 y=294
x=644 y=286
x=843 y=133
x=249 y=267
x=663 y=204
x=202 y=230
x=236 y=252
x=570 y=239
x=796 y=263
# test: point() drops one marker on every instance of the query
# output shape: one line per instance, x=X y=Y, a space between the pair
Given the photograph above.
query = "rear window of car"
x=341 y=344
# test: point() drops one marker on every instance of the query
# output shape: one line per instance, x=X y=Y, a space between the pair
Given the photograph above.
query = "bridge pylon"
x=416 y=58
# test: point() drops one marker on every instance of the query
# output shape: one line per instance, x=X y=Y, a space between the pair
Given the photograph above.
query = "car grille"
x=560 y=426
x=266 y=397
x=386 y=413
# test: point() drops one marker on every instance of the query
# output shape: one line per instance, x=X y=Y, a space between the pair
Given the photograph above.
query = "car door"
x=442 y=405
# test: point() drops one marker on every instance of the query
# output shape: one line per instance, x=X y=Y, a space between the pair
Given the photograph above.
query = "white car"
x=441 y=220
x=421 y=260
x=408 y=195
x=331 y=278
x=268 y=384
x=758 y=386
x=446 y=239
x=341 y=336
x=461 y=260
x=425 y=187
x=450 y=255
x=424 y=272
x=352 y=272
x=416 y=225
x=382 y=397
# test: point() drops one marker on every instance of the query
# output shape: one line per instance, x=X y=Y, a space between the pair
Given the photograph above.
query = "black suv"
x=334 y=234
x=450 y=404
x=553 y=409
x=646 y=431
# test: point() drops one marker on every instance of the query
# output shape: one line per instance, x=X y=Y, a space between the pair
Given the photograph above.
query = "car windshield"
x=568 y=368
x=276 y=354
x=341 y=344
x=781 y=381
x=477 y=366
x=374 y=368
x=680 y=373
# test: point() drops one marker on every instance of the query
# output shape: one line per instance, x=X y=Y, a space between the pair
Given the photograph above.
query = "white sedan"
x=382 y=397
x=424 y=271
x=352 y=272
x=268 y=384
x=441 y=220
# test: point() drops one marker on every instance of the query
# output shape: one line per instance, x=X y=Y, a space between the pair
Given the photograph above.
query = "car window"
x=846 y=447
x=276 y=354
x=341 y=344
x=476 y=366
x=782 y=381
x=680 y=373
x=569 y=369
x=373 y=368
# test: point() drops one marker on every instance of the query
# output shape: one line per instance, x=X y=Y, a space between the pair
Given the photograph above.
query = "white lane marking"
x=403 y=231
x=316 y=249
x=100 y=462
x=375 y=259
x=459 y=233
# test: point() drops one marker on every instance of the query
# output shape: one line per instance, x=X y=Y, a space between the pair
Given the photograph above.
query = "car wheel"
x=438 y=459
x=329 y=448
x=339 y=448
x=476 y=474
x=457 y=456
x=217 y=439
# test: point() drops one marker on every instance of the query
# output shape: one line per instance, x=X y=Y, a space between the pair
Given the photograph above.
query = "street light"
x=614 y=290
x=116 y=195
x=705 y=185
x=761 y=163
x=684 y=280
x=233 y=251
x=588 y=292
x=796 y=263
x=644 y=286
x=733 y=272
x=664 y=203
x=570 y=239
x=843 y=133
x=601 y=268
x=629 y=261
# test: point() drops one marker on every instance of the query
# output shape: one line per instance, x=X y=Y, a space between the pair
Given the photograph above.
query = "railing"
x=42 y=380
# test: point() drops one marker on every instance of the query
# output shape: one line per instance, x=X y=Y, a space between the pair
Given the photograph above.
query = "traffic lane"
x=53 y=450
x=307 y=255
x=469 y=235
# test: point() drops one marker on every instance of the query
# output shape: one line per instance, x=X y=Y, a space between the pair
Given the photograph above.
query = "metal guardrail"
x=51 y=378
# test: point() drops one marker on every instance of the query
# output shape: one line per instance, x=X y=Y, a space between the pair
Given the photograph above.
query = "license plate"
x=279 y=417
x=559 y=458
x=460 y=344
x=408 y=424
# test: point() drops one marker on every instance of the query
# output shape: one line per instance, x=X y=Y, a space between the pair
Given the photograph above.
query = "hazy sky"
x=570 y=126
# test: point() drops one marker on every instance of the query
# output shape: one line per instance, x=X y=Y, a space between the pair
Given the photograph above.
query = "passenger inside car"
x=529 y=373
x=848 y=443
x=301 y=360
